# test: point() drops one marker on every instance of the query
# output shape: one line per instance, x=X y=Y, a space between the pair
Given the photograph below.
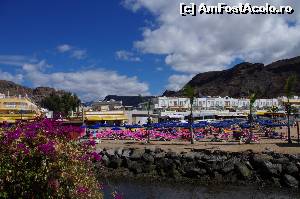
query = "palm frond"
x=289 y=85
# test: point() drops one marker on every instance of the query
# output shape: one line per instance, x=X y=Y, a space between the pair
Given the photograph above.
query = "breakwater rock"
x=204 y=166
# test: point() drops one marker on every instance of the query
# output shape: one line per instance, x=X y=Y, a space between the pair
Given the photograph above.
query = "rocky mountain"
x=244 y=78
x=37 y=94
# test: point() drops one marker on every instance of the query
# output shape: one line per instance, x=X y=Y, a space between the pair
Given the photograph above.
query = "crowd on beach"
x=224 y=131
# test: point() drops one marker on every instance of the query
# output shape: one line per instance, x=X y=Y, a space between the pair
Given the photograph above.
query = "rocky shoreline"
x=202 y=166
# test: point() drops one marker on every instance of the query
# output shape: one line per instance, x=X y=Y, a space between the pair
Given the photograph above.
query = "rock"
x=177 y=162
x=149 y=150
x=290 y=181
x=291 y=169
x=258 y=159
x=98 y=150
x=268 y=150
x=278 y=155
x=173 y=173
x=167 y=164
x=137 y=154
x=172 y=155
x=271 y=169
x=231 y=177
x=282 y=160
x=126 y=153
x=158 y=150
x=243 y=170
x=148 y=168
x=189 y=156
x=229 y=82
x=159 y=155
x=248 y=164
x=148 y=158
x=227 y=168
x=194 y=172
x=262 y=163
x=276 y=181
x=126 y=162
x=135 y=167
x=198 y=155
x=115 y=163
x=119 y=152
x=105 y=160
x=110 y=152
x=205 y=157
x=294 y=157
x=218 y=177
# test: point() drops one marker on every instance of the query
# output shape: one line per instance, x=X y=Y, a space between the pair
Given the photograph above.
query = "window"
x=9 y=104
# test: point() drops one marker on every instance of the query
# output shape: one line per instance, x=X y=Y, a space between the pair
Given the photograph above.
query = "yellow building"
x=17 y=108
x=116 y=117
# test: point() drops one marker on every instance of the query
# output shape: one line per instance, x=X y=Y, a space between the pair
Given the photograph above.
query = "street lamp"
x=21 y=112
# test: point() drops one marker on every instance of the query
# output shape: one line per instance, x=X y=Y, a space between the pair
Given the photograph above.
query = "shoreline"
x=201 y=167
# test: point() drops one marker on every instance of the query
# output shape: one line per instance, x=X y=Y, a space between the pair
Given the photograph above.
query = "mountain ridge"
x=245 y=78
x=36 y=94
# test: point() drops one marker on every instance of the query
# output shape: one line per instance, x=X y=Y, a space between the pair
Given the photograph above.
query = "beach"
x=265 y=144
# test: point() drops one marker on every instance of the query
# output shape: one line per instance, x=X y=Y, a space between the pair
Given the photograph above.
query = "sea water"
x=151 y=190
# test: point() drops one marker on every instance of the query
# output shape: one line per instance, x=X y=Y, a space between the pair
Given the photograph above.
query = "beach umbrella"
x=83 y=126
x=116 y=129
x=95 y=126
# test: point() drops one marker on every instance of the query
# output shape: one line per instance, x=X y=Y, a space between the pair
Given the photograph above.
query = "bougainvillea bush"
x=41 y=159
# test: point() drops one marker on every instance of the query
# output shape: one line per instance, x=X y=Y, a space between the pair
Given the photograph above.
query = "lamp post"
x=148 y=121
x=82 y=116
x=298 y=132
x=21 y=112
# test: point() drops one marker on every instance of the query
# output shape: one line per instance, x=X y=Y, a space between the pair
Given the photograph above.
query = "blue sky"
x=100 y=28
x=129 y=47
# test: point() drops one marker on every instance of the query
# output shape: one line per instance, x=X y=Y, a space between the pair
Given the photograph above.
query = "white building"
x=211 y=103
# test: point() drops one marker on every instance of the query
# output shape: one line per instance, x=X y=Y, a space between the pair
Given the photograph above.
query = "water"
x=150 y=190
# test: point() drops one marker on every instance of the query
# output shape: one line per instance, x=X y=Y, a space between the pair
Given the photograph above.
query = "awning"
x=105 y=117
x=261 y=112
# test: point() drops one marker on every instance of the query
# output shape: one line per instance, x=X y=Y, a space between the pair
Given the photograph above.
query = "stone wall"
x=205 y=166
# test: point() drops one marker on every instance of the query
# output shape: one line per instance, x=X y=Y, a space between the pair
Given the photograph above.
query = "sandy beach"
x=265 y=144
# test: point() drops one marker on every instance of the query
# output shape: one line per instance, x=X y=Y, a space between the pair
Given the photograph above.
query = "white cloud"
x=176 y=82
x=88 y=84
x=16 y=60
x=74 y=52
x=64 y=48
x=127 y=56
x=79 y=54
x=212 y=42
x=18 y=78
x=159 y=68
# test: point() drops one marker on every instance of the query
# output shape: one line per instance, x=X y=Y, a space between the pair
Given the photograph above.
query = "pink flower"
x=82 y=190
x=47 y=149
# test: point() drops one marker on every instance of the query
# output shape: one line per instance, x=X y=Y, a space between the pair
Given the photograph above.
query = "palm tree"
x=253 y=98
x=288 y=93
x=189 y=92
x=148 y=120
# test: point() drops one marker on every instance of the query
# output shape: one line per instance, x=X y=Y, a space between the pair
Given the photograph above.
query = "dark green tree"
x=253 y=98
x=148 y=120
x=61 y=103
x=189 y=92
x=289 y=85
